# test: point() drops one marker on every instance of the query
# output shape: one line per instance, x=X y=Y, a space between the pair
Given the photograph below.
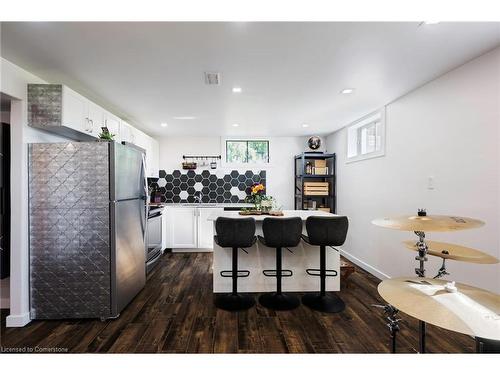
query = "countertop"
x=303 y=214
x=207 y=205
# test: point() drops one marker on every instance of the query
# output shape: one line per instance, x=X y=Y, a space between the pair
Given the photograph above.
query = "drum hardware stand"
x=420 y=271
x=442 y=271
x=392 y=320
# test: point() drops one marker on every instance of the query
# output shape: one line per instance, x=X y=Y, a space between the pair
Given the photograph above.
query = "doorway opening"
x=5 y=109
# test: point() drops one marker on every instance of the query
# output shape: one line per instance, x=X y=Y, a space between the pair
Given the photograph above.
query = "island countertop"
x=303 y=214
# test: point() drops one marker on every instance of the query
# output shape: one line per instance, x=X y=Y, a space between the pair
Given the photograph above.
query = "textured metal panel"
x=69 y=230
x=44 y=105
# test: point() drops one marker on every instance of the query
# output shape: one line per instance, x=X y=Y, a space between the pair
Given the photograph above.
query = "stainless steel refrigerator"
x=88 y=217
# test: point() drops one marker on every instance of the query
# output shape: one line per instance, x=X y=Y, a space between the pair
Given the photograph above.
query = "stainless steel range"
x=88 y=225
x=155 y=236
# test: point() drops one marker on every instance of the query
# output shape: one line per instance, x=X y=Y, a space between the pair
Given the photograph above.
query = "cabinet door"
x=113 y=124
x=124 y=134
x=75 y=111
x=153 y=155
x=184 y=228
x=96 y=116
x=206 y=228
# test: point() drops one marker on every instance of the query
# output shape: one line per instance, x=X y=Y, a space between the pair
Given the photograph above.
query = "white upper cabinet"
x=96 y=118
x=151 y=147
x=154 y=158
x=124 y=133
x=113 y=124
x=74 y=111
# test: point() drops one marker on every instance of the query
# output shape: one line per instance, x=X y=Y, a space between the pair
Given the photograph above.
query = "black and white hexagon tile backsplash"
x=218 y=186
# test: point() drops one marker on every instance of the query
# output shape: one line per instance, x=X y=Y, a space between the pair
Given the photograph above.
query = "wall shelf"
x=303 y=200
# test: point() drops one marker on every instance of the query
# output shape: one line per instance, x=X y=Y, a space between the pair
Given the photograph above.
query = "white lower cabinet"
x=184 y=223
x=187 y=228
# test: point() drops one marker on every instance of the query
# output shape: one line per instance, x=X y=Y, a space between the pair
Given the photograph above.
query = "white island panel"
x=260 y=257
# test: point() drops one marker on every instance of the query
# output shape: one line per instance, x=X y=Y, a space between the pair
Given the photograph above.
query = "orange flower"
x=257 y=188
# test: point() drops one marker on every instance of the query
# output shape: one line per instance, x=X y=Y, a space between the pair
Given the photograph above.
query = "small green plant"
x=106 y=135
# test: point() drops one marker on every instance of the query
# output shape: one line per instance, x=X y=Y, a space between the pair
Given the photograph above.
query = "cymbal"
x=470 y=310
x=428 y=223
x=456 y=252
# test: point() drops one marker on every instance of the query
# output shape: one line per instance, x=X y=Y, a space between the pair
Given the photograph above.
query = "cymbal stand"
x=392 y=322
x=442 y=271
x=420 y=271
x=422 y=254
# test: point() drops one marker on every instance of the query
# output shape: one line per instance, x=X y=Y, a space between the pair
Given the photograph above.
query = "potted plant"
x=258 y=198
x=105 y=135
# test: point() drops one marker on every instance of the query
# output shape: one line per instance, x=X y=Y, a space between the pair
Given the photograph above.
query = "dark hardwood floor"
x=175 y=314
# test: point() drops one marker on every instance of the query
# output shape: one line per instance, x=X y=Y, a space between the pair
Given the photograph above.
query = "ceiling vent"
x=212 y=78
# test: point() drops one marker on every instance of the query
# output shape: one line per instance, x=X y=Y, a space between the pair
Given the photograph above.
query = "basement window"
x=366 y=137
x=247 y=151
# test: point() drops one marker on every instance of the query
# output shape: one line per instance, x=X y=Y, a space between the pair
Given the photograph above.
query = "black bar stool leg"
x=234 y=301
x=323 y=302
x=279 y=300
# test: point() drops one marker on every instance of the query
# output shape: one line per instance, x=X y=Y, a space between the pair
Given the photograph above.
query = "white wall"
x=14 y=82
x=448 y=129
x=279 y=172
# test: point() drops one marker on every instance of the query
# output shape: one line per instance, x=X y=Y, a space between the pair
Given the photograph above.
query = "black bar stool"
x=280 y=233
x=324 y=231
x=235 y=233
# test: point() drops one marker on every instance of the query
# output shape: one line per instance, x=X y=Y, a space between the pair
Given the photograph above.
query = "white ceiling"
x=290 y=73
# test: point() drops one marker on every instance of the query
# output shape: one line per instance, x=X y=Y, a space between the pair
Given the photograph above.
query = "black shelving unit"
x=302 y=200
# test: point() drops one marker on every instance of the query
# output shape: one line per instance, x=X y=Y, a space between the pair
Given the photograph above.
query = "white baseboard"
x=18 y=320
x=192 y=250
x=375 y=272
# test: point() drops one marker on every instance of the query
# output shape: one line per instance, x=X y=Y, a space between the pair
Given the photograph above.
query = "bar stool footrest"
x=274 y=273
x=317 y=272
x=239 y=273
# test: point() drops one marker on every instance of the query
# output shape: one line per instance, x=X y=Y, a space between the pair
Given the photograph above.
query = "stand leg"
x=421 y=336
x=235 y=271
x=392 y=323
x=393 y=342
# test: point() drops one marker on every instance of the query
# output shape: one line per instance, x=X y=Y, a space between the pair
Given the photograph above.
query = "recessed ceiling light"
x=430 y=22
x=184 y=118
x=236 y=125
x=237 y=89
x=347 y=91
x=305 y=125
x=163 y=124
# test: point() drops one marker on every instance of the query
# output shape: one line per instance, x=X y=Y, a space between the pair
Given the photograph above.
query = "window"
x=243 y=151
x=366 y=137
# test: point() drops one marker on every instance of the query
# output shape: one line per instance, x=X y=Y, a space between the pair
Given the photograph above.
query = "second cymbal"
x=455 y=252
x=428 y=223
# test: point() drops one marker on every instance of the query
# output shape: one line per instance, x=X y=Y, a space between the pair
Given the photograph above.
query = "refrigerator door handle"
x=146 y=196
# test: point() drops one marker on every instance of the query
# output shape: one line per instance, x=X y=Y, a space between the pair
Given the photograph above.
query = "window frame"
x=247 y=140
x=363 y=123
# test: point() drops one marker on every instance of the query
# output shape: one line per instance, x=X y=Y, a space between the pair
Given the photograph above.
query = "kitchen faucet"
x=198 y=197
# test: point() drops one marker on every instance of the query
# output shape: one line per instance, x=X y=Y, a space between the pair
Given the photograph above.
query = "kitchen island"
x=260 y=257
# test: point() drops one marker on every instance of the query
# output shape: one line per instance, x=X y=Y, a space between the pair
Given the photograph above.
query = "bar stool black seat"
x=235 y=233
x=324 y=231
x=280 y=233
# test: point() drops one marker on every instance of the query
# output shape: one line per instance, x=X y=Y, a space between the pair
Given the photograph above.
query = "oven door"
x=154 y=239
